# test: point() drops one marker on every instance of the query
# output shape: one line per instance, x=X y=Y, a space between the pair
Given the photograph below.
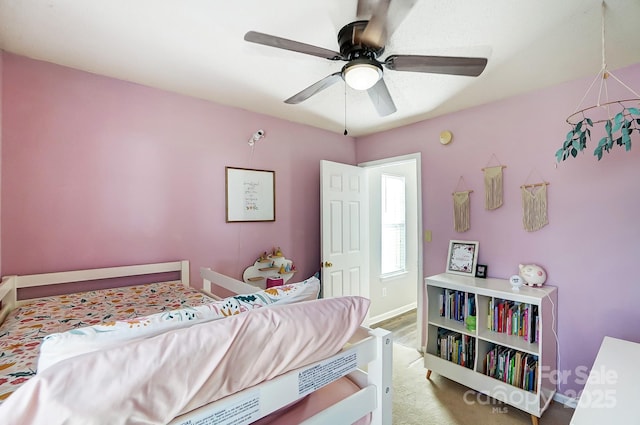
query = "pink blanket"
x=153 y=380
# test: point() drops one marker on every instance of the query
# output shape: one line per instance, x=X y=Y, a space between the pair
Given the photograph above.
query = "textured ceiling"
x=197 y=48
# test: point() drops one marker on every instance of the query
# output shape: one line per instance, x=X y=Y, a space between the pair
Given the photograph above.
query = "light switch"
x=427 y=235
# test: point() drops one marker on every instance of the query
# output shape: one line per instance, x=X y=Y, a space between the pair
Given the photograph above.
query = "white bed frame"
x=11 y=284
x=366 y=360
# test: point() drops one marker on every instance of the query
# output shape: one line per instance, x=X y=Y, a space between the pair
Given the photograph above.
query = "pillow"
x=59 y=346
x=156 y=379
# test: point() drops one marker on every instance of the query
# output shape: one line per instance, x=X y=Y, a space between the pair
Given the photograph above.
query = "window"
x=393 y=219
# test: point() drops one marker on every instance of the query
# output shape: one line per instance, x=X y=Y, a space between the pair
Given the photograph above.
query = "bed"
x=175 y=355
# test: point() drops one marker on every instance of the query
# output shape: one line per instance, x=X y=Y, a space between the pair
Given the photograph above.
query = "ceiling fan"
x=361 y=43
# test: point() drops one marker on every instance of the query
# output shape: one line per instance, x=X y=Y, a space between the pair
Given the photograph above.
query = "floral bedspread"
x=26 y=326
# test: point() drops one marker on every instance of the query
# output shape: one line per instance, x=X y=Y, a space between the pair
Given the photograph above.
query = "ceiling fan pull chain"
x=345 y=109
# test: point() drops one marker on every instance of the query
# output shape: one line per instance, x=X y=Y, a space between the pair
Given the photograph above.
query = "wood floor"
x=404 y=328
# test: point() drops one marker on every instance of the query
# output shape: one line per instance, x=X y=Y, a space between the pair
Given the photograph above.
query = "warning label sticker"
x=318 y=376
x=244 y=411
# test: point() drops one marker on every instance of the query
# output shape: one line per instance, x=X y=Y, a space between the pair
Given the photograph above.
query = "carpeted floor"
x=441 y=401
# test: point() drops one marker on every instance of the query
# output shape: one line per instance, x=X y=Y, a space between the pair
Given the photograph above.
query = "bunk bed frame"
x=366 y=359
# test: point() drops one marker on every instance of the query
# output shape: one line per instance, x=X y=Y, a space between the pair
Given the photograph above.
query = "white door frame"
x=420 y=286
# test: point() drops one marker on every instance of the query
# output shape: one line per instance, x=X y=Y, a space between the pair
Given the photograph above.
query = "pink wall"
x=99 y=172
x=590 y=246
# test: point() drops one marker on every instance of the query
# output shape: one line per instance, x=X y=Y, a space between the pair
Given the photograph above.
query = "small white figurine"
x=532 y=274
x=516 y=282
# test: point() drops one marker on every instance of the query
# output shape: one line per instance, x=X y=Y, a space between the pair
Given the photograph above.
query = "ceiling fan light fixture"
x=362 y=75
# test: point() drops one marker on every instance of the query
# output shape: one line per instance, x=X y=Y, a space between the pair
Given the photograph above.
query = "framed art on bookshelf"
x=463 y=257
x=481 y=271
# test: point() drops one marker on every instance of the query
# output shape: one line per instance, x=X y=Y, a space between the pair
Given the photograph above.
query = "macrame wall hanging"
x=493 y=183
x=534 y=206
x=461 y=208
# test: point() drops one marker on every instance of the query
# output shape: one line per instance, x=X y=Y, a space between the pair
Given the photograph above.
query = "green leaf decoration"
x=578 y=127
x=619 y=117
x=616 y=126
x=569 y=136
x=602 y=142
x=575 y=144
x=598 y=152
x=618 y=131
x=626 y=139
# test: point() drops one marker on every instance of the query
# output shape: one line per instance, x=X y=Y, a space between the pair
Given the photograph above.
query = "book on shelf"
x=471 y=305
x=513 y=318
x=512 y=367
x=454 y=304
x=456 y=348
x=533 y=336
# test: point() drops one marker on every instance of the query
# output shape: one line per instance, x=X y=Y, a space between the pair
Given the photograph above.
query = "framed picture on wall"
x=463 y=257
x=250 y=195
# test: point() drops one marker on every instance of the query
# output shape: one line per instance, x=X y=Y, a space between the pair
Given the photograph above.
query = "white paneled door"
x=344 y=229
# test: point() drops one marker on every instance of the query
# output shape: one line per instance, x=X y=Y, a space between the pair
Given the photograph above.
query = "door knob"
x=328 y=264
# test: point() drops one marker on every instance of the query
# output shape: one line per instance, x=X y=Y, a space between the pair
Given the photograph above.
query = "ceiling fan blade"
x=381 y=98
x=295 y=46
x=385 y=18
x=471 y=67
x=375 y=33
x=305 y=94
x=364 y=9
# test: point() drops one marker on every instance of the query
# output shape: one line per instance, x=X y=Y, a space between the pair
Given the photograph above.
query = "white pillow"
x=59 y=346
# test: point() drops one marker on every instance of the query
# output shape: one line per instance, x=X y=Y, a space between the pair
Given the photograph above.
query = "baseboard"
x=567 y=401
x=390 y=314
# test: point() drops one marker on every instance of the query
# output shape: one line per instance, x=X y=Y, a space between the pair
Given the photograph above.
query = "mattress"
x=25 y=327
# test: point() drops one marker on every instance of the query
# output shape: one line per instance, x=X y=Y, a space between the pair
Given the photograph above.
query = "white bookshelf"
x=489 y=293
